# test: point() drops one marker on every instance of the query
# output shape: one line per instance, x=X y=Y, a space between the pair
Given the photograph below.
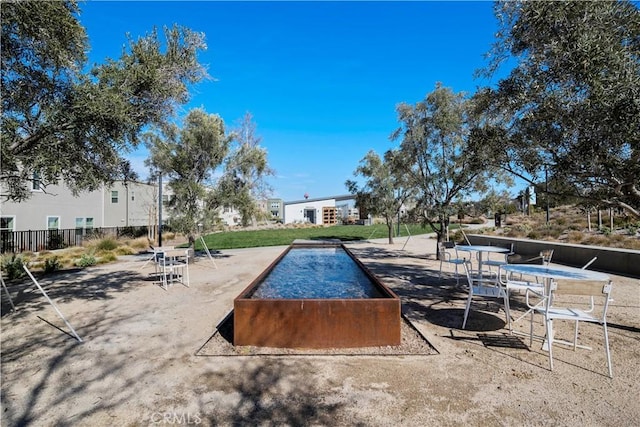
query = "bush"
x=107 y=244
x=107 y=258
x=86 y=260
x=51 y=265
x=12 y=267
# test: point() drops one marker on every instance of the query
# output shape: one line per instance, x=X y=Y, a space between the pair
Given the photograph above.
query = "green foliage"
x=572 y=101
x=286 y=236
x=63 y=122
x=52 y=264
x=433 y=138
x=86 y=260
x=246 y=167
x=107 y=244
x=385 y=188
x=188 y=156
x=12 y=267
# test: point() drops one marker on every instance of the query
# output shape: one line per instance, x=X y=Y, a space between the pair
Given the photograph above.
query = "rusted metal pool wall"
x=316 y=323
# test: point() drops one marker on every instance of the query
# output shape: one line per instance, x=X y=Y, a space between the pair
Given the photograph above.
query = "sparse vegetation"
x=86 y=260
x=52 y=264
x=12 y=267
x=569 y=225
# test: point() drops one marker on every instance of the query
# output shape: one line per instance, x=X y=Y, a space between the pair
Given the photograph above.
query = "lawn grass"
x=286 y=236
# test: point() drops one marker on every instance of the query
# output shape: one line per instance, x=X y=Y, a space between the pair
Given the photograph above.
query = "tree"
x=188 y=156
x=572 y=102
x=246 y=168
x=434 y=135
x=64 y=123
x=385 y=187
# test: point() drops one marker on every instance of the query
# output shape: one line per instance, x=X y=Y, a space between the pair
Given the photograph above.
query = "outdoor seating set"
x=555 y=292
x=171 y=265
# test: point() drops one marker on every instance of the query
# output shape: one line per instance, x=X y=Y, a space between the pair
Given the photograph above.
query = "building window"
x=133 y=197
x=114 y=197
x=36 y=182
x=88 y=223
x=53 y=223
x=7 y=223
x=79 y=222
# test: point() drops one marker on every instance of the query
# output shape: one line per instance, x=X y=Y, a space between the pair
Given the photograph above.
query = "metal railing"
x=40 y=240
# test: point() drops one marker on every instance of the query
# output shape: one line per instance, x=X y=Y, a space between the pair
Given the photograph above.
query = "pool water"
x=316 y=273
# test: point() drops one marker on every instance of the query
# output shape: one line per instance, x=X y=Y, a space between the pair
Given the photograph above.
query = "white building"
x=314 y=211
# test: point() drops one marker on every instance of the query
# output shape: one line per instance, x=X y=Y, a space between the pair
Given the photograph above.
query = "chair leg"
x=440 y=276
x=457 y=276
x=606 y=347
x=507 y=309
x=550 y=341
x=531 y=329
x=575 y=337
x=466 y=310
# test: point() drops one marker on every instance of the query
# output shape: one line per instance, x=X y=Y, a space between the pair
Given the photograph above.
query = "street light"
x=160 y=209
x=546 y=190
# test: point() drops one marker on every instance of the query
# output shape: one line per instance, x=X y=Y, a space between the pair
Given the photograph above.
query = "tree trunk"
x=390 y=229
x=599 y=220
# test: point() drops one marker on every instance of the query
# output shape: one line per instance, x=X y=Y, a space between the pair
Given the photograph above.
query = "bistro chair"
x=173 y=266
x=448 y=253
x=574 y=313
x=521 y=285
x=484 y=287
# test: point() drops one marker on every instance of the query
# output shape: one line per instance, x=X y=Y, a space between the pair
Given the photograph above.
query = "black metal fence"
x=40 y=240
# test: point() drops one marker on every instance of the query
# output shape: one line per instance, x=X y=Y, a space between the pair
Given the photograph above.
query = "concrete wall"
x=618 y=261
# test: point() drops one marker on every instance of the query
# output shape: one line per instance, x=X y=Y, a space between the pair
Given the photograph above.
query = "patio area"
x=140 y=362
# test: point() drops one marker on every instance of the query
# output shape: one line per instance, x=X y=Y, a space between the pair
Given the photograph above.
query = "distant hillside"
x=569 y=224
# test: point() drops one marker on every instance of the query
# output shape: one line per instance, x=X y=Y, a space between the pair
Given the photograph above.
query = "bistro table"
x=480 y=249
x=558 y=272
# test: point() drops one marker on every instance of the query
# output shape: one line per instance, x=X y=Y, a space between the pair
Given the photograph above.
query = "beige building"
x=55 y=208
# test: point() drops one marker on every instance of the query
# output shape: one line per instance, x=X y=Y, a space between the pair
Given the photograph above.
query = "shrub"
x=86 y=260
x=107 y=258
x=124 y=250
x=51 y=265
x=12 y=267
x=534 y=235
x=107 y=244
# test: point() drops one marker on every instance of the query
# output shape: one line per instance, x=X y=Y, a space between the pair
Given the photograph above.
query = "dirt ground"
x=140 y=363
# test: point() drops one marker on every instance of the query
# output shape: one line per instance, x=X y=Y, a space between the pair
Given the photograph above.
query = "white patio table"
x=558 y=272
x=480 y=249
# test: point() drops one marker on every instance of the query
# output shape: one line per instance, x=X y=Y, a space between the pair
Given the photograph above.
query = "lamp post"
x=546 y=190
x=160 y=209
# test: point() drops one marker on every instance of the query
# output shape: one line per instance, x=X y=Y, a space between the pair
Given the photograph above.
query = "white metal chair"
x=499 y=262
x=173 y=266
x=584 y=267
x=546 y=255
x=521 y=285
x=577 y=314
x=445 y=255
x=485 y=287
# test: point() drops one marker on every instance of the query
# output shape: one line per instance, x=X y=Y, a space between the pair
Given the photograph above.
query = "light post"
x=160 y=209
x=546 y=190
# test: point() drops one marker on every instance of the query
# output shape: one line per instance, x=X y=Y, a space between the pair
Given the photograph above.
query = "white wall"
x=295 y=212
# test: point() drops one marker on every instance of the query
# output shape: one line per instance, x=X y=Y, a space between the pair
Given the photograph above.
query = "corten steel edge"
x=317 y=323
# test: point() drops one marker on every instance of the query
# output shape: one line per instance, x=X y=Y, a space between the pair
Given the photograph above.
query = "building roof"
x=318 y=199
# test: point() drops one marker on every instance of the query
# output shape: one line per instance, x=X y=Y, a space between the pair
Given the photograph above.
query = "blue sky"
x=321 y=79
